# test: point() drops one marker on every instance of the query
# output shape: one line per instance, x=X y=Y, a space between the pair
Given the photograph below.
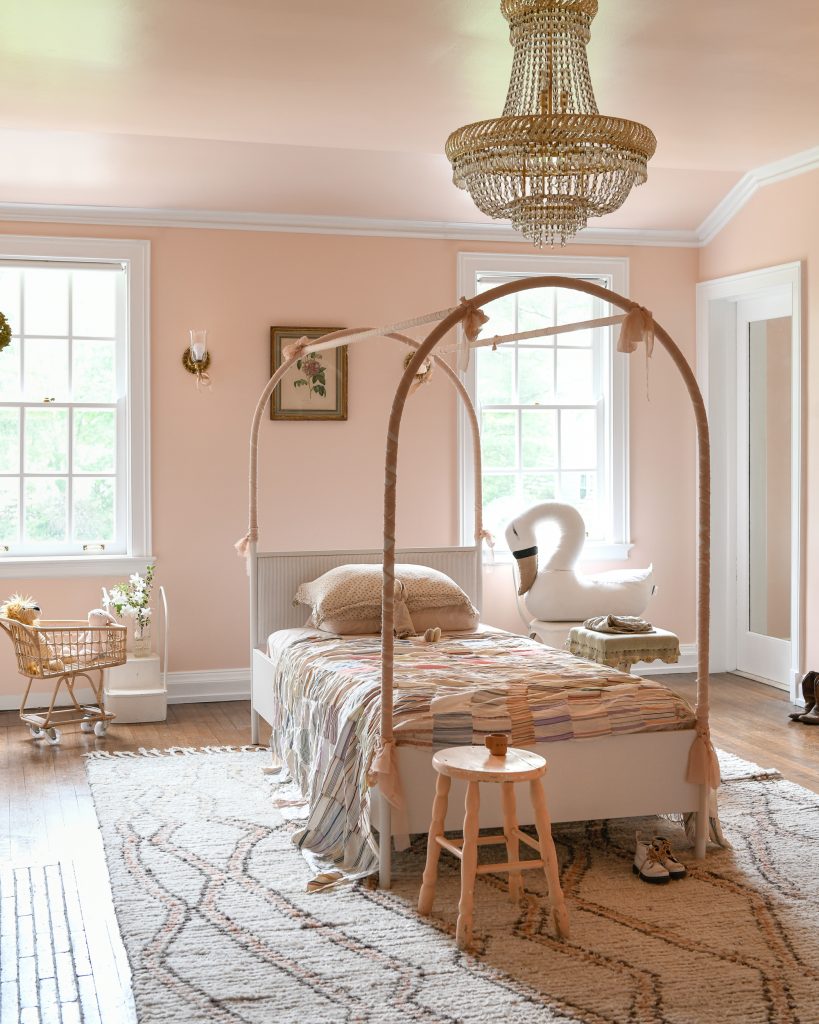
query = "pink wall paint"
x=779 y=225
x=321 y=484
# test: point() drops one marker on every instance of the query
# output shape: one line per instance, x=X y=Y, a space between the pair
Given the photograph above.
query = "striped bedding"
x=327 y=699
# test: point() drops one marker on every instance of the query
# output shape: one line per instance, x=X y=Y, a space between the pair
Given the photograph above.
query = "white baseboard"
x=183 y=688
x=207 y=686
x=687 y=663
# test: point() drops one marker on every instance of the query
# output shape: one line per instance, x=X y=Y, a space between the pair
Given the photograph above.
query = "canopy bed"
x=660 y=761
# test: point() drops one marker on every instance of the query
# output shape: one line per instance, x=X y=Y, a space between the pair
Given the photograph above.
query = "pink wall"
x=321 y=484
x=780 y=224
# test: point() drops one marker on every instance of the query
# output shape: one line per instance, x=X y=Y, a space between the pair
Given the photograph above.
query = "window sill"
x=68 y=566
x=597 y=552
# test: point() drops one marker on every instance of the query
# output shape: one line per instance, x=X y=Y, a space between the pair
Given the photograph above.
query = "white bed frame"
x=605 y=777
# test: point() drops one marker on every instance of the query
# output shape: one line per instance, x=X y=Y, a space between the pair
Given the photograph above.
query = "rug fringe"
x=175 y=751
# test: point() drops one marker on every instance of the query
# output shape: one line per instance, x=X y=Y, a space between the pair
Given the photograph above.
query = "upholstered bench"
x=622 y=650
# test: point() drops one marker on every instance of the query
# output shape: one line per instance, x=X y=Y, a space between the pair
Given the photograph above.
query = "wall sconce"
x=196 y=358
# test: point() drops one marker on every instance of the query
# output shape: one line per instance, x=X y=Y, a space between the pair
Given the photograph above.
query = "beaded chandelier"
x=551 y=161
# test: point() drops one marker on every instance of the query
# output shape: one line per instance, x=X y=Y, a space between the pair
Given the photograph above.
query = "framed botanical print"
x=315 y=387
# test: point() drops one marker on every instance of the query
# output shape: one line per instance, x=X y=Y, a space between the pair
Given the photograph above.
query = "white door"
x=764 y=486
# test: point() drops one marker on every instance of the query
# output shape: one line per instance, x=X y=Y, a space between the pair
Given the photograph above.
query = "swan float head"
x=555 y=591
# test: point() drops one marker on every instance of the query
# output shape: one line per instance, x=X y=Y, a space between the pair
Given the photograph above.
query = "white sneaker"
x=648 y=864
x=675 y=868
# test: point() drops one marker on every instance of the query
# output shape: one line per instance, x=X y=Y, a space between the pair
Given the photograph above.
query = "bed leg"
x=701 y=833
x=384 y=846
x=254 y=726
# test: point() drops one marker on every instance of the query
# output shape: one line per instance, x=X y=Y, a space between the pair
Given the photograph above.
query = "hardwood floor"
x=61 y=958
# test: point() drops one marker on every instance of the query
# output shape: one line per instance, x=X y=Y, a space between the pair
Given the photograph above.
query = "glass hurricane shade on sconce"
x=196 y=358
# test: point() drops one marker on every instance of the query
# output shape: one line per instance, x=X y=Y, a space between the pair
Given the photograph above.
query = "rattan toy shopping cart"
x=66 y=651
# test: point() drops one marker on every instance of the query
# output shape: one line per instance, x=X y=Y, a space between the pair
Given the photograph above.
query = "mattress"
x=327 y=714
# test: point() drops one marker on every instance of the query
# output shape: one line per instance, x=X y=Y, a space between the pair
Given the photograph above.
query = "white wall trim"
x=730 y=205
x=205 y=686
x=293 y=223
x=308 y=224
x=200 y=687
x=687 y=663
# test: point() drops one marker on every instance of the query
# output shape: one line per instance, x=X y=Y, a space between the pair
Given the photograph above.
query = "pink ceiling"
x=313 y=107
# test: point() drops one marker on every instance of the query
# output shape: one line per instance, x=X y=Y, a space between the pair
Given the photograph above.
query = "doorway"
x=749 y=365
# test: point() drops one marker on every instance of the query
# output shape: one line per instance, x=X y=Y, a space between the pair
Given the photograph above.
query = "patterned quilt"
x=327 y=698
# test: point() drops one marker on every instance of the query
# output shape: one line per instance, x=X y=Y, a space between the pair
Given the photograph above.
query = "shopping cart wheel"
x=100 y=728
x=53 y=736
x=87 y=726
x=36 y=732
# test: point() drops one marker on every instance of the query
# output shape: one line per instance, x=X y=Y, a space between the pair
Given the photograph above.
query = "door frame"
x=717 y=302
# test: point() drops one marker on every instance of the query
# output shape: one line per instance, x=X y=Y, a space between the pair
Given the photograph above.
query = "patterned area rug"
x=210 y=897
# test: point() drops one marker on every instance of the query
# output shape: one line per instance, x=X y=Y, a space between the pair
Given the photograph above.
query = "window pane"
x=95 y=440
x=9 y=441
x=46 y=369
x=10 y=372
x=539 y=440
x=93 y=509
x=575 y=375
x=94 y=309
x=46 y=301
x=496 y=376
x=498 y=440
x=500 y=504
x=576 y=339
x=45 y=509
x=535 y=376
x=572 y=307
x=536 y=309
x=46 y=440
x=580 y=490
x=539 y=487
x=10 y=297
x=578 y=439
x=9 y=510
x=93 y=374
x=501 y=315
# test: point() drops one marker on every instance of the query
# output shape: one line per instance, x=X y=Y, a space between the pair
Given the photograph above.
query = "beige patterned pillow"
x=351 y=592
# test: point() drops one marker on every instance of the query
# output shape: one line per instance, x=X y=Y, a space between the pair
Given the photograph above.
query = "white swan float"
x=558 y=593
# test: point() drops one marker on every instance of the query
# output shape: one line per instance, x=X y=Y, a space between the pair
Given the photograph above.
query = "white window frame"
x=614 y=274
x=134 y=256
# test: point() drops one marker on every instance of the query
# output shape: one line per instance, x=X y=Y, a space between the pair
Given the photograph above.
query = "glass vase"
x=141 y=646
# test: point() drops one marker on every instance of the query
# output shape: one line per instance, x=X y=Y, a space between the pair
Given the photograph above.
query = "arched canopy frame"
x=703 y=768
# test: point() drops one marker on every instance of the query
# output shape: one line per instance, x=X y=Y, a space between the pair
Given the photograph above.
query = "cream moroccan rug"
x=210 y=897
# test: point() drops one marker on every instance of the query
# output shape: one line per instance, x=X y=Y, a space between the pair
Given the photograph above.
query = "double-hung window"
x=73 y=406
x=553 y=409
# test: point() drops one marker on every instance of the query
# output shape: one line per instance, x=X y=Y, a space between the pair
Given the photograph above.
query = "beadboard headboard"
x=278 y=575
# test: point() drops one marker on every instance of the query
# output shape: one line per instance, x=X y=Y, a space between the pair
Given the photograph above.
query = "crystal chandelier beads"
x=551 y=160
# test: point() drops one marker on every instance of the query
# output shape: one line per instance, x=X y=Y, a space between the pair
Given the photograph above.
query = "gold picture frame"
x=306 y=395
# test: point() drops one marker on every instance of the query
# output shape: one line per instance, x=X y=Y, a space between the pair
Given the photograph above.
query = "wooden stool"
x=476 y=765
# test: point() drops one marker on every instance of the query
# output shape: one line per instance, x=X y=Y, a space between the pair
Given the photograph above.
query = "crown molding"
x=309 y=224
x=749 y=184
x=465 y=231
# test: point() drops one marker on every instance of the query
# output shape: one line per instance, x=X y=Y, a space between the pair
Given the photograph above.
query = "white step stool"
x=138 y=690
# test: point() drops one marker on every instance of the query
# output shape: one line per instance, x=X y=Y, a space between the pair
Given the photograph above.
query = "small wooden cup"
x=497 y=743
